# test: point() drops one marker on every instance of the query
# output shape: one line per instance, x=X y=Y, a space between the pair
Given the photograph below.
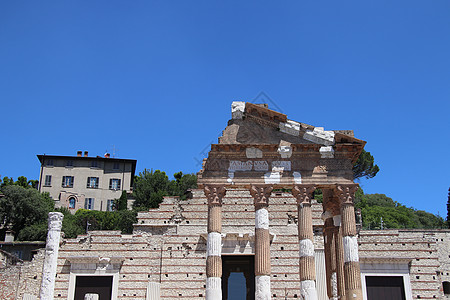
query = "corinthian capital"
x=303 y=193
x=261 y=194
x=346 y=192
x=214 y=194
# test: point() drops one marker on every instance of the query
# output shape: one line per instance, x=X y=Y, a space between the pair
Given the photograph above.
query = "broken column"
x=51 y=255
x=261 y=196
x=307 y=271
x=214 y=194
x=352 y=273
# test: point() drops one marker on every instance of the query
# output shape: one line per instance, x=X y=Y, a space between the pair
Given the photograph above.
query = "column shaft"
x=330 y=259
x=339 y=262
x=261 y=196
x=352 y=271
x=307 y=269
x=51 y=255
x=214 y=242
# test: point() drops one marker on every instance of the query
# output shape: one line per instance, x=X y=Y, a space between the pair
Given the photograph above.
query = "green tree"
x=365 y=166
x=121 y=203
x=24 y=207
x=149 y=189
x=182 y=184
x=21 y=181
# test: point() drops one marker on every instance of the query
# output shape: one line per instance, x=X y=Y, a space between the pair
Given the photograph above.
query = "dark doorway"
x=385 y=287
x=238 y=277
x=101 y=285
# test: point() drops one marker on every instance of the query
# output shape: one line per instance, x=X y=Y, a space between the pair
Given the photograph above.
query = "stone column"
x=261 y=196
x=352 y=271
x=51 y=255
x=339 y=257
x=330 y=259
x=214 y=194
x=303 y=193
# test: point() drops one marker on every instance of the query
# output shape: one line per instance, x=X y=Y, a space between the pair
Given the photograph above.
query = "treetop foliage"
x=151 y=186
x=365 y=166
x=24 y=207
x=377 y=207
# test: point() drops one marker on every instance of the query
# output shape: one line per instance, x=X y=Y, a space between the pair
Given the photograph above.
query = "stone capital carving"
x=261 y=195
x=214 y=194
x=303 y=193
x=55 y=220
x=346 y=192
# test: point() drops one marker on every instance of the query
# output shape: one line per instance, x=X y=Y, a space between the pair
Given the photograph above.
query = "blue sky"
x=154 y=80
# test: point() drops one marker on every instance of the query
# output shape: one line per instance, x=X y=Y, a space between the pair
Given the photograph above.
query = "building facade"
x=86 y=182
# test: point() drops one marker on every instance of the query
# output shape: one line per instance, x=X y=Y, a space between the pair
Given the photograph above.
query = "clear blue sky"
x=156 y=79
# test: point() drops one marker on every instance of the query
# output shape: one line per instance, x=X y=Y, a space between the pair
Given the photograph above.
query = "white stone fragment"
x=337 y=220
x=213 y=288
x=262 y=287
x=285 y=151
x=272 y=177
x=280 y=166
x=237 y=109
x=290 y=127
x=91 y=296
x=261 y=165
x=326 y=215
x=237 y=165
x=262 y=218
x=297 y=177
x=214 y=244
x=326 y=152
x=350 y=249
x=320 y=136
x=308 y=289
x=306 y=248
x=334 y=287
x=252 y=152
x=51 y=255
x=230 y=176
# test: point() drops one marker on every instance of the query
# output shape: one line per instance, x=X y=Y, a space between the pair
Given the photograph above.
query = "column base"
x=353 y=295
x=214 y=288
x=262 y=287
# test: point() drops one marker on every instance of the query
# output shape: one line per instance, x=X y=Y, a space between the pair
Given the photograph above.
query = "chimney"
x=107 y=155
x=79 y=153
x=9 y=236
x=85 y=154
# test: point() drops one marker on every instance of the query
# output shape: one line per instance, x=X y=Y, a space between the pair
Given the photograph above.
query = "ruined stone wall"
x=169 y=246
x=427 y=249
x=22 y=278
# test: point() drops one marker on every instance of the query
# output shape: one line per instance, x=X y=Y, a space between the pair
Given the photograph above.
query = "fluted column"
x=339 y=246
x=303 y=193
x=51 y=255
x=214 y=194
x=261 y=196
x=330 y=259
x=352 y=271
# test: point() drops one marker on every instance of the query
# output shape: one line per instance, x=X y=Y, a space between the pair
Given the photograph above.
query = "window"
x=49 y=162
x=69 y=163
x=92 y=182
x=67 y=181
x=48 y=180
x=89 y=203
x=114 y=184
x=116 y=166
x=72 y=202
x=94 y=164
x=110 y=205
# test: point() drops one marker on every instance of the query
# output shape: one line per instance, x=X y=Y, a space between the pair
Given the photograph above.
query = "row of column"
x=341 y=247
